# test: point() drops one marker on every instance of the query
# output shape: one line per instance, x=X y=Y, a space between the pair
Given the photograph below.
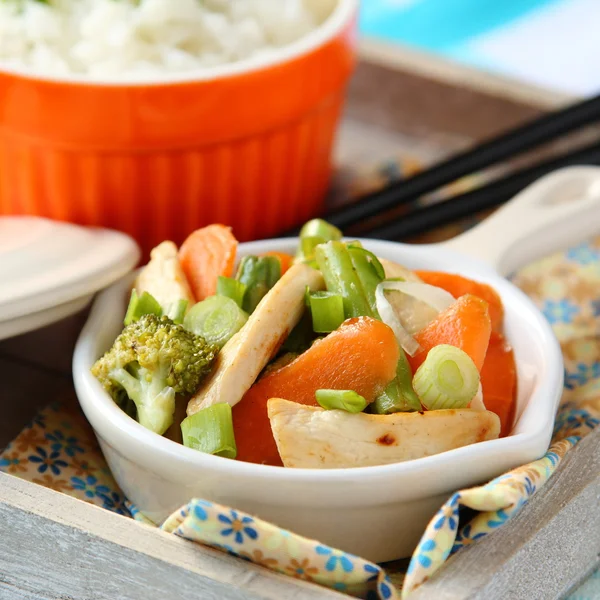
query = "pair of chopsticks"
x=507 y=146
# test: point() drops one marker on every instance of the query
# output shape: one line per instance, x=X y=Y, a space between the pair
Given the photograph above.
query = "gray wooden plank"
x=9 y=592
x=54 y=561
x=54 y=546
x=543 y=551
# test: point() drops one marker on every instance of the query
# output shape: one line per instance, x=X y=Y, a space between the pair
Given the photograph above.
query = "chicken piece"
x=394 y=270
x=247 y=353
x=164 y=278
x=477 y=402
x=312 y=438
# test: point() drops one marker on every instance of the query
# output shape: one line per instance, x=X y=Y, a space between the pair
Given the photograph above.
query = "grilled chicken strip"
x=164 y=278
x=312 y=438
x=247 y=353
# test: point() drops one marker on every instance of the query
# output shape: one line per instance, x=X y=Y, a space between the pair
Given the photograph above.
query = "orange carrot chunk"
x=465 y=324
x=206 y=254
x=499 y=381
x=284 y=259
x=361 y=355
x=459 y=286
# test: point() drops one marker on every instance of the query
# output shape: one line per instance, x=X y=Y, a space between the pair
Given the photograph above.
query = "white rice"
x=137 y=39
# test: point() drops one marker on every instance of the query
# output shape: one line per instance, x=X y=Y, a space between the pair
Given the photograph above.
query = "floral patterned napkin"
x=58 y=450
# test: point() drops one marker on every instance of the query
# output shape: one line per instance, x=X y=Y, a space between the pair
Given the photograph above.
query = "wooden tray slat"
x=544 y=551
x=54 y=546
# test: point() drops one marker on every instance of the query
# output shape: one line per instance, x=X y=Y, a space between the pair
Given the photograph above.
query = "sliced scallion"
x=176 y=312
x=447 y=379
x=210 y=430
x=327 y=311
x=217 y=319
x=341 y=400
x=140 y=305
x=231 y=288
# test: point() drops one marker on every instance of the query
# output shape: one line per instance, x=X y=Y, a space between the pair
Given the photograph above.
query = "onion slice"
x=433 y=296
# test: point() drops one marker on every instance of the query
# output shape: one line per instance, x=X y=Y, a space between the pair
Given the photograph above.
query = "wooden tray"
x=54 y=546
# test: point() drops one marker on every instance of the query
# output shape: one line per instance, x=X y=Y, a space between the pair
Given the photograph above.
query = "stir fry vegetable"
x=205 y=255
x=341 y=400
x=399 y=395
x=258 y=275
x=459 y=286
x=361 y=355
x=313 y=234
x=153 y=360
x=211 y=431
x=465 y=324
x=331 y=358
x=349 y=274
x=327 y=311
x=499 y=380
x=231 y=288
x=447 y=379
x=217 y=319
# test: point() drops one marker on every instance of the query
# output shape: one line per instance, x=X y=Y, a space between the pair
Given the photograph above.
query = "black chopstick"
x=424 y=219
x=508 y=145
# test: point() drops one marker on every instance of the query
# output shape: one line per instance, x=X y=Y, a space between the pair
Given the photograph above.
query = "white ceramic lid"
x=49 y=269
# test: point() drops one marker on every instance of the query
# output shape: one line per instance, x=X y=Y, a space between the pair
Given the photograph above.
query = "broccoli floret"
x=153 y=360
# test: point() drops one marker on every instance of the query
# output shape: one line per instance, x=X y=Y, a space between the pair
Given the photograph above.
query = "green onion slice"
x=211 y=431
x=142 y=305
x=231 y=288
x=341 y=400
x=447 y=379
x=217 y=319
x=327 y=311
x=176 y=312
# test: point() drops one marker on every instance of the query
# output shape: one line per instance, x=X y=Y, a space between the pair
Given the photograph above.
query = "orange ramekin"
x=248 y=144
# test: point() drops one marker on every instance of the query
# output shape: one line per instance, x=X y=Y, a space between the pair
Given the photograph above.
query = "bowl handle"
x=558 y=210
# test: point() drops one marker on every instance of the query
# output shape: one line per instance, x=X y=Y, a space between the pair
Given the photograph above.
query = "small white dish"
x=50 y=270
x=376 y=512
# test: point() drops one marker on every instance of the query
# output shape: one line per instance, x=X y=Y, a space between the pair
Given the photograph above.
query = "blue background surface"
x=441 y=26
x=549 y=43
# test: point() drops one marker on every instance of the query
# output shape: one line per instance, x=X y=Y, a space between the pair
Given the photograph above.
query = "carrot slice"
x=499 y=381
x=285 y=259
x=459 y=286
x=465 y=324
x=206 y=254
x=361 y=355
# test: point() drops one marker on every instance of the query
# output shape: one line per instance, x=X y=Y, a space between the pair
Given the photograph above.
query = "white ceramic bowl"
x=375 y=512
